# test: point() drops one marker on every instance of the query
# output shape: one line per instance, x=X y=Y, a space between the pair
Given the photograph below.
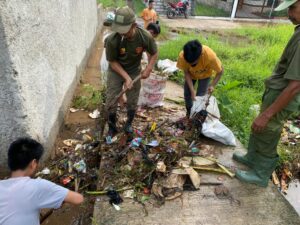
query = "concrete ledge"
x=279 y=21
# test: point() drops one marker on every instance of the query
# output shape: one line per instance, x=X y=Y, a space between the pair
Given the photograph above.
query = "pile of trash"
x=291 y=133
x=160 y=160
x=77 y=164
x=290 y=169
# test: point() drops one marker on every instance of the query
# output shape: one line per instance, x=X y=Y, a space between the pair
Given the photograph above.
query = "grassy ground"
x=247 y=60
x=204 y=10
x=112 y=3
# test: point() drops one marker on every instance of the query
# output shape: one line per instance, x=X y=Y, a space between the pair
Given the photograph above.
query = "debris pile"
x=77 y=164
x=291 y=133
x=160 y=160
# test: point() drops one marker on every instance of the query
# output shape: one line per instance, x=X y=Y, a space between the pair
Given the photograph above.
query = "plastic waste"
x=167 y=66
x=136 y=142
x=95 y=114
x=80 y=166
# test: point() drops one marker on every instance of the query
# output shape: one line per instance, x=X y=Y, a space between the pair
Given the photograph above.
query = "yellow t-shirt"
x=149 y=16
x=208 y=64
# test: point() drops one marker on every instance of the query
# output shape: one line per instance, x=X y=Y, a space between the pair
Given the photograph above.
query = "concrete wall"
x=43 y=48
x=225 y=5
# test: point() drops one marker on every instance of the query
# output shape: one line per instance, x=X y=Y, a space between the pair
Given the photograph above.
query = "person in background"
x=21 y=196
x=199 y=63
x=154 y=29
x=149 y=15
x=280 y=101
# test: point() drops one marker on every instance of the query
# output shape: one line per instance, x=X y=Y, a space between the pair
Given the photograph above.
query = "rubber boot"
x=128 y=124
x=246 y=159
x=112 y=127
x=261 y=172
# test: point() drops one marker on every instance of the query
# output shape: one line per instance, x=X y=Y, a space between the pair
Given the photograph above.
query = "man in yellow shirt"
x=199 y=63
x=149 y=15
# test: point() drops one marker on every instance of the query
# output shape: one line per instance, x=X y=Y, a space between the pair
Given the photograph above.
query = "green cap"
x=124 y=18
x=285 y=4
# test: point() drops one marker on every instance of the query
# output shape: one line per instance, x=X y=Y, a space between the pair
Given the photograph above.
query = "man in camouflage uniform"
x=124 y=49
x=280 y=101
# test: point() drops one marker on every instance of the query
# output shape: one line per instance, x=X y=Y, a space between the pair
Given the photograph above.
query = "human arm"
x=211 y=87
x=74 y=198
x=151 y=62
x=151 y=48
x=279 y=104
x=189 y=82
x=121 y=72
x=111 y=50
x=292 y=74
x=50 y=195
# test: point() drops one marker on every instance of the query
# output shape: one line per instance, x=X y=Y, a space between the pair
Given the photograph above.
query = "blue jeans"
x=201 y=90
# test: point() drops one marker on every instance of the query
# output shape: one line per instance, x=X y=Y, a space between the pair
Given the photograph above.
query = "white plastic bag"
x=200 y=102
x=167 y=66
x=216 y=130
x=212 y=127
x=153 y=91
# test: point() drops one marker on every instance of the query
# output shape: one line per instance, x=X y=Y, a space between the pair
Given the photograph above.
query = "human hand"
x=210 y=89
x=146 y=73
x=193 y=96
x=128 y=83
x=260 y=123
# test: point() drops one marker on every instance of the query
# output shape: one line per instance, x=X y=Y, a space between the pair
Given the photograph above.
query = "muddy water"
x=293 y=195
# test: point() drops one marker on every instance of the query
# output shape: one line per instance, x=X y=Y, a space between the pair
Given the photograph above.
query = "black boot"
x=112 y=127
x=128 y=125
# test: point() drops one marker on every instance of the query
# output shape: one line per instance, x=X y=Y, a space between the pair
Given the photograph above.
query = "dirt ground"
x=74 y=122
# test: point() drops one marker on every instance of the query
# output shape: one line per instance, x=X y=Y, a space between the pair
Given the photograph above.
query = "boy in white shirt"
x=22 y=197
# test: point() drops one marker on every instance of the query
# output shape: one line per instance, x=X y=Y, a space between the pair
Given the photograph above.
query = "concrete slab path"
x=245 y=204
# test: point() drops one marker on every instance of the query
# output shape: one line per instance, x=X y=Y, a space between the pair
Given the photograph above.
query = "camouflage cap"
x=124 y=18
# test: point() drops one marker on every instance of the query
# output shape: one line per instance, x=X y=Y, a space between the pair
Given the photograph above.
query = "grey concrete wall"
x=225 y=5
x=43 y=48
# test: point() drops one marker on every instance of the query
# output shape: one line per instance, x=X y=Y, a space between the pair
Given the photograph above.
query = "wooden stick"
x=105 y=192
x=222 y=167
x=209 y=169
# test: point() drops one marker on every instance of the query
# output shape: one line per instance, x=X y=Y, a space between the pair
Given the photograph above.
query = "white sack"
x=153 y=91
x=212 y=127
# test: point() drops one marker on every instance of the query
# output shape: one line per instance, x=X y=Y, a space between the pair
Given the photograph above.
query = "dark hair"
x=192 y=51
x=150 y=1
x=154 y=27
x=22 y=151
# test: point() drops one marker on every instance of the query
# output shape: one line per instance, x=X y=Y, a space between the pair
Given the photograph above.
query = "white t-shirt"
x=22 y=198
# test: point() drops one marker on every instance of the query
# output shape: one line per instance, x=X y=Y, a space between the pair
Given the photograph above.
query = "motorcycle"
x=177 y=9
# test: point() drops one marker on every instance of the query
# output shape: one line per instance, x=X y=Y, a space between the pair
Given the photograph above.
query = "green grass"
x=112 y=3
x=138 y=7
x=205 y=10
x=247 y=62
x=89 y=99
